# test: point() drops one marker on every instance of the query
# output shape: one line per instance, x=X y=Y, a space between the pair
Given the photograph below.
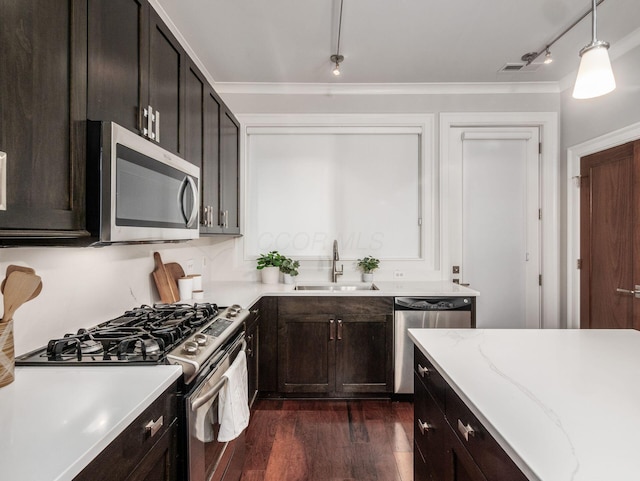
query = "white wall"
x=584 y=120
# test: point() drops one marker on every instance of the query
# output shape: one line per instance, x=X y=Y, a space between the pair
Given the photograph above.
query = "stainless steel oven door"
x=209 y=459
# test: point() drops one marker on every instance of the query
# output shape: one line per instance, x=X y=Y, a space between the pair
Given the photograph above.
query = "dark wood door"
x=363 y=347
x=210 y=170
x=160 y=462
x=609 y=224
x=118 y=43
x=253 y=341
x=459 y=465
x=167 y=72
x=42 y=113
x=194 y=115
x=306 y=353
x=229 y=173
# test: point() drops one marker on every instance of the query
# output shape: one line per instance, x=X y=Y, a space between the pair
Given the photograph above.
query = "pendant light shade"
x=595 y=77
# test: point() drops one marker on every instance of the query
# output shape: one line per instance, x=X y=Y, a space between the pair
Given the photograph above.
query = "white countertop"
x=247 y=293
x=55 y=420
x=564 y=404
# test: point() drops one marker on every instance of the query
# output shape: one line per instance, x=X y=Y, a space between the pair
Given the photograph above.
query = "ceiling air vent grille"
x=512 y=67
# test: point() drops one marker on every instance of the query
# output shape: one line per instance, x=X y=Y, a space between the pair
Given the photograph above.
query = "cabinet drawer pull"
x=332 y=326
x=157 y=134
x=423 y=370
x=255 y=312
x=424 y=426
x=153 y=427
x=3 y=181
x=339 y=329
x=465 y=430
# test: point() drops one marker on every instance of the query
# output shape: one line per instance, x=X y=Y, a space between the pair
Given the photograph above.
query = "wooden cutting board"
x=175 y=272
x=167 y=287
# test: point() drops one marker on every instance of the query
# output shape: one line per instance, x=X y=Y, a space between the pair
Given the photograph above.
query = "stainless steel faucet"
x=336 y=257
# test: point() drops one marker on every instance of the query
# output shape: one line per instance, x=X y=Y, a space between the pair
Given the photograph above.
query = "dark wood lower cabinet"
x=253 y=341
x=136 y=454
x=335 y=346
x=441 y=451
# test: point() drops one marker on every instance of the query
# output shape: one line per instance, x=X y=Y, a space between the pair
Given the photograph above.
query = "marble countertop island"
x=564 y=404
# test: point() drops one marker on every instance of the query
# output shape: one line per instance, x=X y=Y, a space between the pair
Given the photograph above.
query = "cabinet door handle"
x=157 y=119
x=332 y=327
x=423 y=370
x=340 y=329
x=465 y=430
x=3 y=181
x=424 y=426
x=153 y=427
x=255 y=312
x=147 y=113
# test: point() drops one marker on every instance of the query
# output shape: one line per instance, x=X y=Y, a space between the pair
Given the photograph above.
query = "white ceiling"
x=394 y=41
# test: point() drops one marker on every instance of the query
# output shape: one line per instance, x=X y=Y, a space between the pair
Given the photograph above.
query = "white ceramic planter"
x=270 y=275
x=287 y=278
x=367 y=277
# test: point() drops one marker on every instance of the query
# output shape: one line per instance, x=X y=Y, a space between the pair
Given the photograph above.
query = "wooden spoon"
x=19 y=288
x=13 y=268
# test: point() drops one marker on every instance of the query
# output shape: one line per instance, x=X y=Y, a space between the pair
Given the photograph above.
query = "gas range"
x=182 y=334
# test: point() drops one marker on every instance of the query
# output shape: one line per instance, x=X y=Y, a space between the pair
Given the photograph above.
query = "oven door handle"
x=211 y=393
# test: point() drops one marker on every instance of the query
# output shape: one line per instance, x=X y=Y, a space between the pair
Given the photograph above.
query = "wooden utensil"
x=13 y=268
x=167 y=287
x=175 y=272
x=18 y=289
x=29 y=270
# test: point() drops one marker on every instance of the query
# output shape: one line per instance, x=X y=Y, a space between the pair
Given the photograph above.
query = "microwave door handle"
x=194 y=211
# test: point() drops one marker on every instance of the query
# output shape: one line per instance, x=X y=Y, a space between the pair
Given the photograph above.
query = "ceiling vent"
x=512 y=67
x=519 y=67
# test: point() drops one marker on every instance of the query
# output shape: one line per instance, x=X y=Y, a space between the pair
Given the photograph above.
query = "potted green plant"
x=289 y=269
x=368 y=265
x=269 y=266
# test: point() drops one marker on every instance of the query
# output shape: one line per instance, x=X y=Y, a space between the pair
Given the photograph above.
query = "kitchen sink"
x=336 y=287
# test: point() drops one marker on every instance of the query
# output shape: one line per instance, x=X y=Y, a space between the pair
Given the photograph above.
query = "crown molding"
x=469 y=88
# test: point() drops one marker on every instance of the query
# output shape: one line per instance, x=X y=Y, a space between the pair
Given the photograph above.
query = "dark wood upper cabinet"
x=220 y=170
x=42 y=113
x=229 y=173
x=194 y=106
x=117 y=42
x=136 y=71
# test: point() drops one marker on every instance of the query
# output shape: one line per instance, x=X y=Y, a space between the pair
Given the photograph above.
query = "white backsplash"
x=85 y=286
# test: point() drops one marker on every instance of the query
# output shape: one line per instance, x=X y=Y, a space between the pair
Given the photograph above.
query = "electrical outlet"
x=189 y=266
x=398 y=274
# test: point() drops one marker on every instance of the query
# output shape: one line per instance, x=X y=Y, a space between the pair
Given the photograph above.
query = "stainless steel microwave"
x=137 y=191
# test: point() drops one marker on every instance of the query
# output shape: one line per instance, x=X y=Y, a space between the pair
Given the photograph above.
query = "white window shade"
x=306 y=189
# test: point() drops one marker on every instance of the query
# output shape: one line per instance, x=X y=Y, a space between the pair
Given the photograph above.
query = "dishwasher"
x=423 y=312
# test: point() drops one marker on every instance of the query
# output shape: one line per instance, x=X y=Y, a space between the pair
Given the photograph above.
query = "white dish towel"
x=233 y=407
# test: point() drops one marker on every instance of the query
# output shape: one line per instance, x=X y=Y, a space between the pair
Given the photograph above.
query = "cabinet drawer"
x=429 y=431
x=431 y=378
x=486 y=452
x=118 y=459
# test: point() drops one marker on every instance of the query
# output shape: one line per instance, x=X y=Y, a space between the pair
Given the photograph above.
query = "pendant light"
x=595 y=77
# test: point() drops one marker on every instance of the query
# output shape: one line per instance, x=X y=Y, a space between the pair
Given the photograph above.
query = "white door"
x=494 y=199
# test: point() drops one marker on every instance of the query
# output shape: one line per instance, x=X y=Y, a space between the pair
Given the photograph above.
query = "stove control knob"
x=232 y=313
x=190 y=347
x=200 y=338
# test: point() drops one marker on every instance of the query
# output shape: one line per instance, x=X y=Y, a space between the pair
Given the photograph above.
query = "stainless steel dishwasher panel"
x=422 y=312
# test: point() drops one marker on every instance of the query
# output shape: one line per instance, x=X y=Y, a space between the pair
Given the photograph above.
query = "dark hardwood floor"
x=316 y=440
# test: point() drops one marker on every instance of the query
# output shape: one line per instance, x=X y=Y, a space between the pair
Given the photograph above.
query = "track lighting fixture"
x=337 y=58
x=595 y=77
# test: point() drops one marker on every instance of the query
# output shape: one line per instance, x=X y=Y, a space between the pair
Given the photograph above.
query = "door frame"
x=547 y=122
x=574 y=155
